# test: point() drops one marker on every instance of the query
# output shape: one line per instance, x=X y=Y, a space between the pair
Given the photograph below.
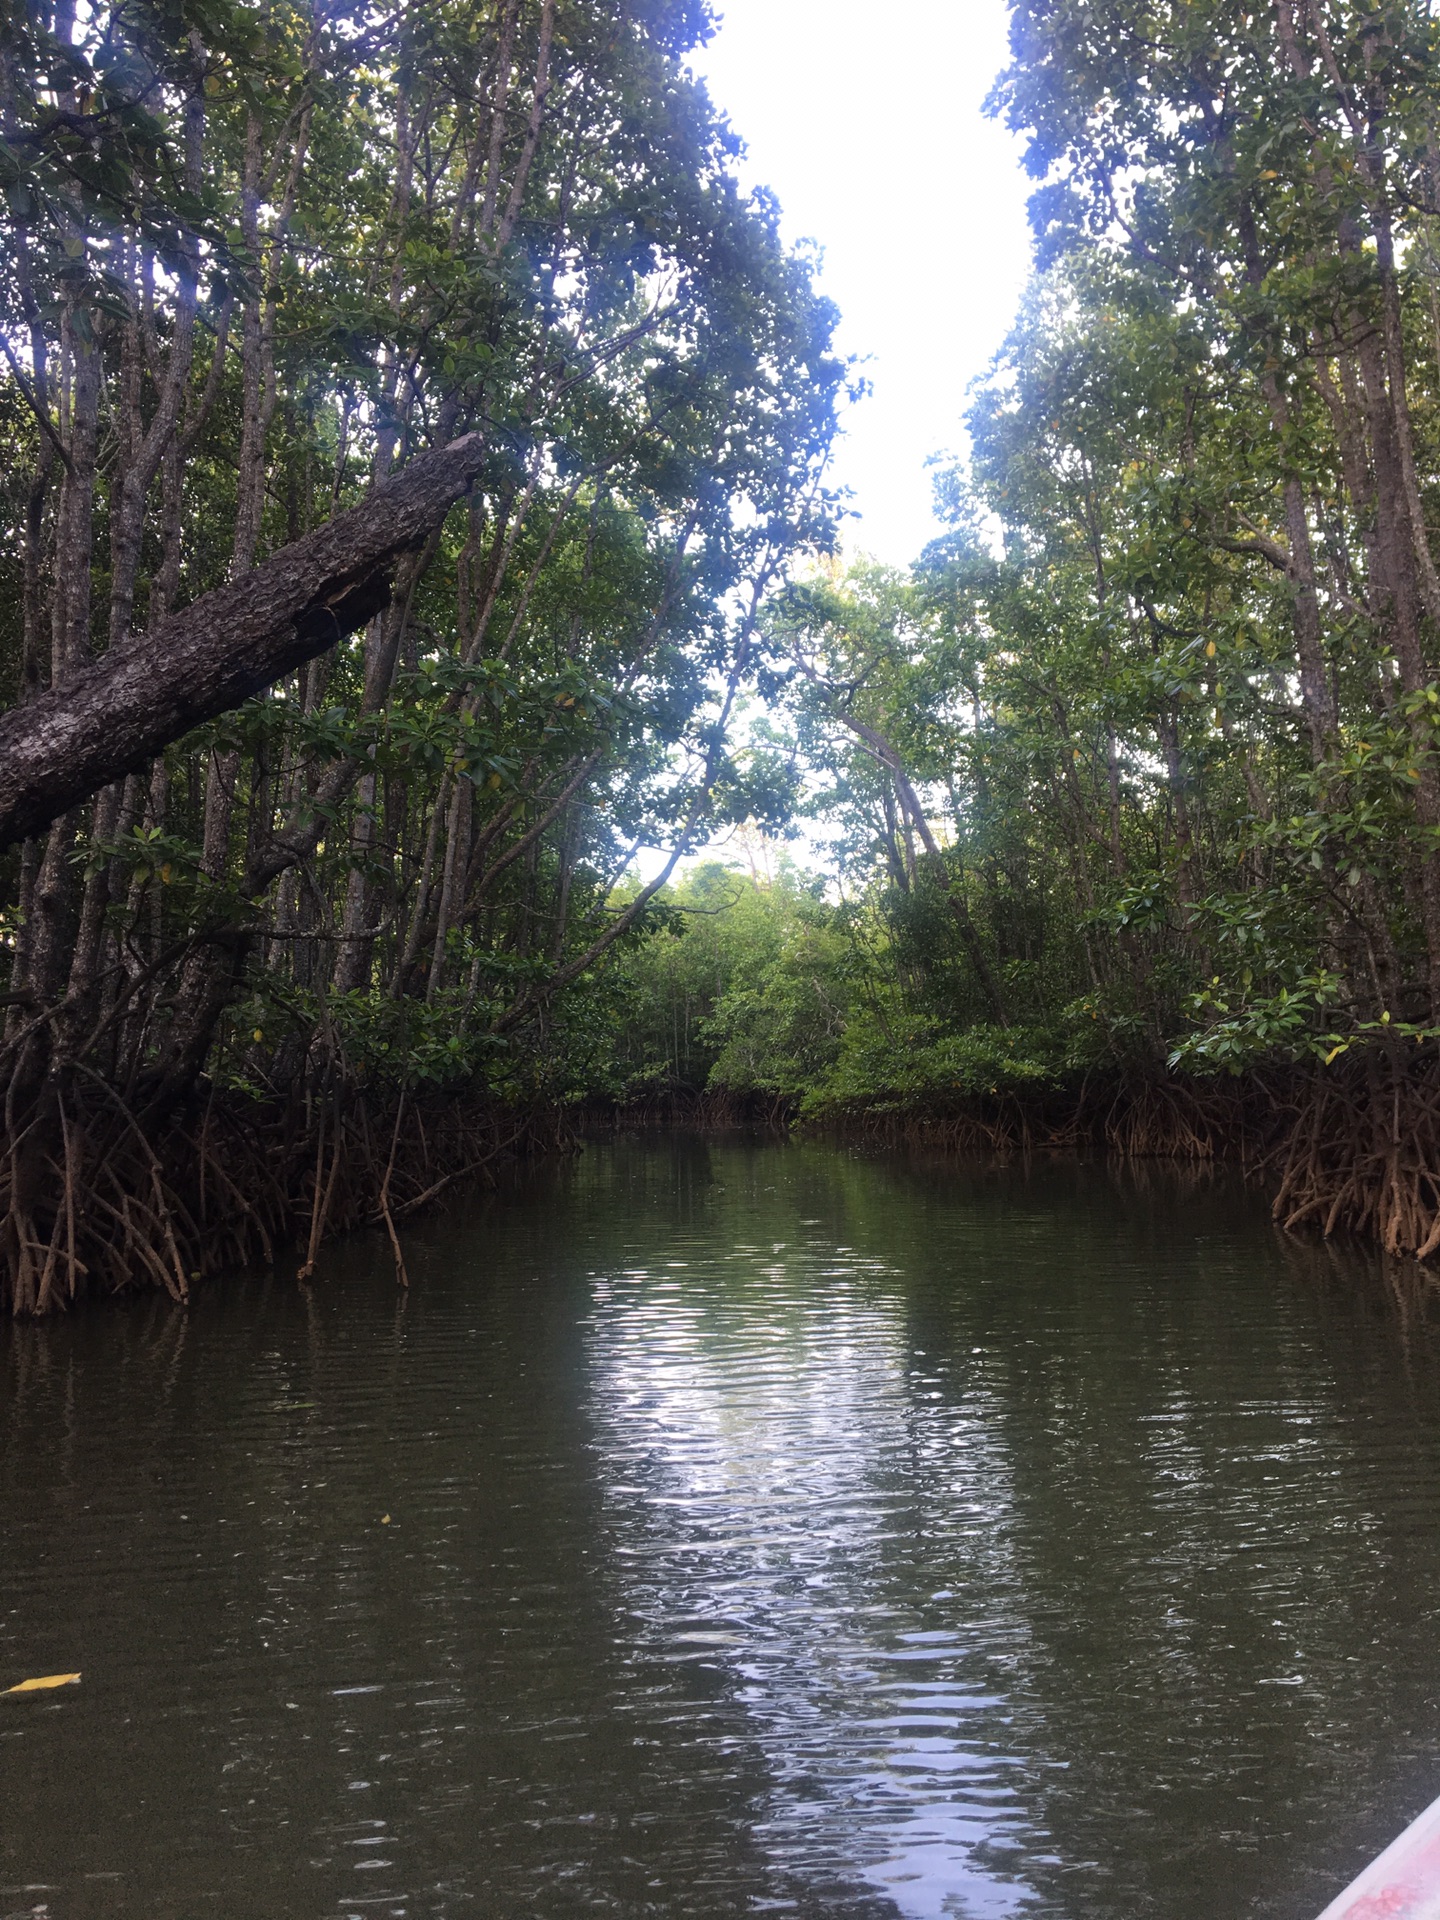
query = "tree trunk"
x=230 y=644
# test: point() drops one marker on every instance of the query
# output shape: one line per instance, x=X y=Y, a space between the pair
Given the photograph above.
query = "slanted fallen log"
x=230 y=644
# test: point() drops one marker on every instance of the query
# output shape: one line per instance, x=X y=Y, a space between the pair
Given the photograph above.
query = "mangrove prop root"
x=93 y=1204
x=1353 y=1148
x=1363 y=1156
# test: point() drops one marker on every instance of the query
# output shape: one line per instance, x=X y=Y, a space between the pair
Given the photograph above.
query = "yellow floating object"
x=45 y=1682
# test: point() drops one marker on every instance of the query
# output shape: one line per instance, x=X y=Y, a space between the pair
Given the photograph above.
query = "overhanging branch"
x=232 y=643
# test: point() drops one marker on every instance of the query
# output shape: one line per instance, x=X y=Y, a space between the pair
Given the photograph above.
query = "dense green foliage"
x=255 y=257
x=1138 y=765
x=291 y=250
x=742 y=990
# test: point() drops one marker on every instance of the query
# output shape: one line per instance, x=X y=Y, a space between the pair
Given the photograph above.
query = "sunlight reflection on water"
x=769 y=1459
x=729 y=1529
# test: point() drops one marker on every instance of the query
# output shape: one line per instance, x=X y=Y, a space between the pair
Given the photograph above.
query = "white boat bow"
x=1403 y=1883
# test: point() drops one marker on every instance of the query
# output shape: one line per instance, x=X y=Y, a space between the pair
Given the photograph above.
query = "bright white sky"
x=865 y=120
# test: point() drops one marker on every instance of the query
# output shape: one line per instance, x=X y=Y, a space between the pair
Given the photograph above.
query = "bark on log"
x=230 y=644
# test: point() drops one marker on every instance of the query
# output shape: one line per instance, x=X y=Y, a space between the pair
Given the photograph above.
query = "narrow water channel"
x=727 y=1529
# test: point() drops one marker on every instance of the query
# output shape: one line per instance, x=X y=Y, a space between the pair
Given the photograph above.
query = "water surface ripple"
x=730 y=1529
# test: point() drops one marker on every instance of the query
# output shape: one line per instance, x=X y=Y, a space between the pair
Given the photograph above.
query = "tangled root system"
x=97 y=1203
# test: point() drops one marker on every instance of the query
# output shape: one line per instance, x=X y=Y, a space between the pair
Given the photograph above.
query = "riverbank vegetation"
x=258 y=258
x=1132 y=779
x=1123 y=803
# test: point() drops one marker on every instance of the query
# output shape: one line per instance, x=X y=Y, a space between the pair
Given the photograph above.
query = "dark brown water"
x=720 y=1530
